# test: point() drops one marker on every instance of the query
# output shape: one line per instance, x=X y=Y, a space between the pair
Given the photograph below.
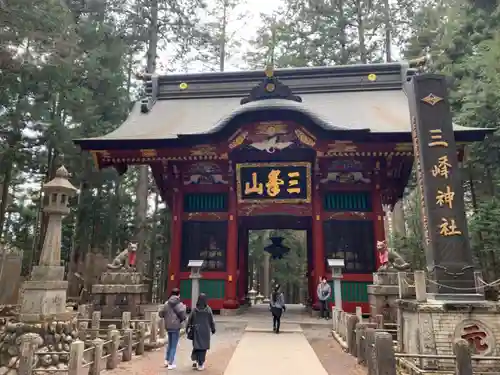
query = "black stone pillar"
x=447 y=249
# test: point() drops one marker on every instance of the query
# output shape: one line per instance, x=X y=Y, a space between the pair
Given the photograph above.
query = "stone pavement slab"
x=267 y=327
x=283 y=354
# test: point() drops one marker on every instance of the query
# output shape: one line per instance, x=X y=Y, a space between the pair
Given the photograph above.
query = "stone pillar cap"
x=60 y=182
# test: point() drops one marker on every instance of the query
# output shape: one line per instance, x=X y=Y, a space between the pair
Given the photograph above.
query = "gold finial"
x=269 y=71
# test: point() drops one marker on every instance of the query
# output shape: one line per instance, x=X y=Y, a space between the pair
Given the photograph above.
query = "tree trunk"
x=363 y=55
x=387 y=31
x=143 y=181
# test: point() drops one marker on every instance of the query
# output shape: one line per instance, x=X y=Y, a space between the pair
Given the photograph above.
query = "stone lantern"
x=44 y=295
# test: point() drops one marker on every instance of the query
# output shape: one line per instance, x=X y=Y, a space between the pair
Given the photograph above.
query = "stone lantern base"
x=382 y=295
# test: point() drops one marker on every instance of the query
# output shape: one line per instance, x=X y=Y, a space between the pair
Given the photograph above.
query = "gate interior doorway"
x=260 y=272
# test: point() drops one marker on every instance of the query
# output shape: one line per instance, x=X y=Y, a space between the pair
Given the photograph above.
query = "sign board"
x=274 y=182
x=448 y=253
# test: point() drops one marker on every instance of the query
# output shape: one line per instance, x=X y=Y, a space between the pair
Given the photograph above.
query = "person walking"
x=174 y=314
x=324 y=291
x=200 y=328
x=277 y=306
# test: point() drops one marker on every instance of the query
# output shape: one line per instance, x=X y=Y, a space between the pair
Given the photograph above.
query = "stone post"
x=161 y=328
x=359 y=313
x=336 y=265
x=127 y=351
x=76 y=358
x=463 y=361
x=96 y=324
x=420 y=286
x=139 y=349
x=126 y=317
x=96 y=367
x=195 y=277
x=112 y=360
x=44 y=295
x=154 y=328
x=27 y=354
x=385 y=361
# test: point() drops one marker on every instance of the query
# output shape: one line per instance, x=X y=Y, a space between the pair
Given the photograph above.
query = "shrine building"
x=316 y=149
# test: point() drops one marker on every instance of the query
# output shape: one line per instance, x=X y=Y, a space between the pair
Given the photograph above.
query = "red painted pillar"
x=231 y=301
x=242 y=265
x=378 y=219
x=174 y=265
x=318 y=242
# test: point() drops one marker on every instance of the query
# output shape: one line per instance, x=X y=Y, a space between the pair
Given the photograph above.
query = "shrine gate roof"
x=368 y=100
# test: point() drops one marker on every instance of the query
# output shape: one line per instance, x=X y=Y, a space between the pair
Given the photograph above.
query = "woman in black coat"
x=200 y=327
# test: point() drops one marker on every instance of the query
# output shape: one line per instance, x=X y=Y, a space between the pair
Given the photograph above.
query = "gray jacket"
x=279 y=303
x=324 y=291
x=174 y=313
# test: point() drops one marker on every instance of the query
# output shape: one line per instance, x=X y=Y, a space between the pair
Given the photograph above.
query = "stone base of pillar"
x=231 y=312
x=439 y=323
x=43 y=300
x=230 y=304
x=382 y=296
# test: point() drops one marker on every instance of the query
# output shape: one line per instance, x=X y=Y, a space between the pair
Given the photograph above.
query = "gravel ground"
x=223 y=344
x=332 y=357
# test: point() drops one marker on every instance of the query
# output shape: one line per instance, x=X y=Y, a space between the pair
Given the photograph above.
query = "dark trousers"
x=199 y=356
x=323 y=308
x=276 y=318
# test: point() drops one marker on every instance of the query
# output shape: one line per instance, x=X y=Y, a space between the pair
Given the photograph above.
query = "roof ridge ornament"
x=270 y=88
x=148 y=101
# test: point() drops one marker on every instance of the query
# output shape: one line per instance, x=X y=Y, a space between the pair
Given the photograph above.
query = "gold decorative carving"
x=335 y=215
x=148 y=153
x=431 y=99
x=305 y=138
x=203 y=150
x=403 y=147
x=271 y=128
x=341 y=146
x=238 y=140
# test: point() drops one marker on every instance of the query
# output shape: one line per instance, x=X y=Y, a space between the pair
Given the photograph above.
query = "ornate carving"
x=238 y=140
x=341 y=146
x=203 y=150
x=270 y=88
x=204 y=173
x=305 y=138
x=346 y=177
x=478 y=334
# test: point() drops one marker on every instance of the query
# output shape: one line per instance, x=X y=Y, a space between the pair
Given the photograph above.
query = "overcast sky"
x=243 y=29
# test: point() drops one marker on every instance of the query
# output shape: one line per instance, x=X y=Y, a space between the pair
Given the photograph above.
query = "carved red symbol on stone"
x=475 y=337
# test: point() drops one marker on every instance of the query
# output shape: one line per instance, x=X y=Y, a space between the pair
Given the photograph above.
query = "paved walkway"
x=288 y=353
x=246 y=345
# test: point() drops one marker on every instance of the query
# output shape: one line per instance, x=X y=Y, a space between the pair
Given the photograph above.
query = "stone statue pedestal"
x=43 y=297
x=119 y=291
x=430 y=327
x=382 y=295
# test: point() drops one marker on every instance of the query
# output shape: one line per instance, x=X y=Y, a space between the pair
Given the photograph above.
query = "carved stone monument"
x=448 y=303
x=43 y=296
x=120 y=288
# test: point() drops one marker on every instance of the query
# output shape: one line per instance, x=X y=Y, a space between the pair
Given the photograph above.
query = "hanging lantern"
x=277 y=249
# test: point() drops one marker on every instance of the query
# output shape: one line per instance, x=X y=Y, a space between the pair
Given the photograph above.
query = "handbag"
x=190 y=332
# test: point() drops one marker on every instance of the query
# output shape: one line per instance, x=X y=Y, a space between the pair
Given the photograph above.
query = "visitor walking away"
x=277 y=306
x=200 y=327
x=174 y=313
x=324 y=292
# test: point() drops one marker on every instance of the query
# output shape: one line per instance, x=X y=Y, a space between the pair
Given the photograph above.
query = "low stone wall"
x=374 y=347
x=77 y=346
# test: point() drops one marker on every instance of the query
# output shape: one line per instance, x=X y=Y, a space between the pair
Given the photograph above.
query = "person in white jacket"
x=324 y=293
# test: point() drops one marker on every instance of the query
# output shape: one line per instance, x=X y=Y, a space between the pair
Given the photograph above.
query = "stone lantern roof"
x=60 y=183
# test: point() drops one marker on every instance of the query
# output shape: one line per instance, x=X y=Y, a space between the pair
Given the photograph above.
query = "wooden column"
x=231 y=301
x=318 y=241
x=242 y=264
x=174 y=265
x=378 y=221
